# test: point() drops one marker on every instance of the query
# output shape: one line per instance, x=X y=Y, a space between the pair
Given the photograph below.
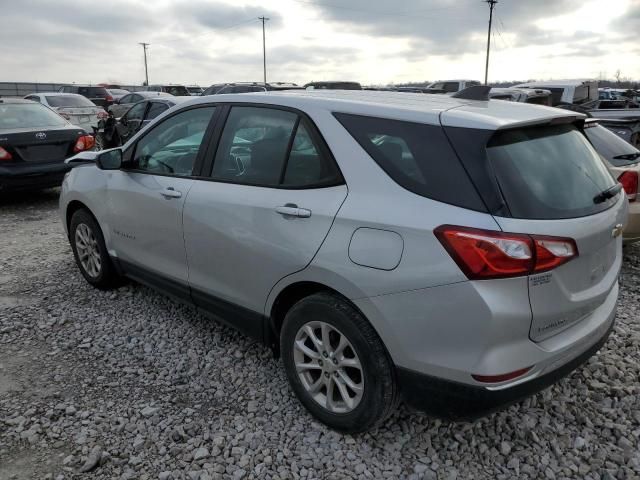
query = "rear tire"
x=348 y=381
x=91 y=252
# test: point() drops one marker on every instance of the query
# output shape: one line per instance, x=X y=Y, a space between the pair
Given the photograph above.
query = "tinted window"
x=253 y=146
x=176 y=90
x=25 y=115
x=156 y=109
x=416 y=156
x=68 y=101
x=549 y=172
x=614 y=149
x=136 y=112
x=135 y=98
x=307 y=165
x=172 y=146
x=450 y=86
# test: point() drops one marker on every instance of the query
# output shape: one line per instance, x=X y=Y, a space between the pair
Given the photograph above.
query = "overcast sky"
x=370 y=41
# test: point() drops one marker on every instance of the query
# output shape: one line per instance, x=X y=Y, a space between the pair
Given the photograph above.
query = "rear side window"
x=549 y=172
x=272 y=148
x=416 y=156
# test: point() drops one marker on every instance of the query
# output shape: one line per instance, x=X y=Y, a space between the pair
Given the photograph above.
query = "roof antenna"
x=477 y=92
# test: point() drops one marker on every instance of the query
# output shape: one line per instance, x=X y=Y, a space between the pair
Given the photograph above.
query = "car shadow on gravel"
x=29 y=198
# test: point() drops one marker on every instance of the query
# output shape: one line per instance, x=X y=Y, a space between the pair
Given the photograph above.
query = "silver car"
x=457 y=254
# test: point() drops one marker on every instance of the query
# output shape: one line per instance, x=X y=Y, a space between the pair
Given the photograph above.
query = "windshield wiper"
x=610 y=192
x=627 y=156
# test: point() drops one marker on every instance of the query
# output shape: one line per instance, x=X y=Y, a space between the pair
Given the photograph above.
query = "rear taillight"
x=85 y=142
x=4 y=155
x=502 y=377
x=629 y=181
x=101 y=114
x=109 y=98
x=487 y=254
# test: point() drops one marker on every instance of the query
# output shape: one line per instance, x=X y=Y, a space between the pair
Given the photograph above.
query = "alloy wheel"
x=328 y=367
x=88 y=250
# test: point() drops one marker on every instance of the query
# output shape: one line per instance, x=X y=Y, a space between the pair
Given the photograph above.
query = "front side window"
x=271 y=148
x=136 y=112
x=450 y=86
x=156 y=109
x=172 y=146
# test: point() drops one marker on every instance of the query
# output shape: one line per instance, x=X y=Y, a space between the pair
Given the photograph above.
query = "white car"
x=78 y=109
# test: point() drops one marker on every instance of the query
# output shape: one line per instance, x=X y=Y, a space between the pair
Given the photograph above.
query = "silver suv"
x=456 y=254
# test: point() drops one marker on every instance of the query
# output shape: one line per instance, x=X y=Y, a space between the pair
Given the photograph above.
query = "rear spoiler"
x=477 y=92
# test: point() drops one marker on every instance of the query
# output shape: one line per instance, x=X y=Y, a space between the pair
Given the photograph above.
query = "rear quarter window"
x=416 y=156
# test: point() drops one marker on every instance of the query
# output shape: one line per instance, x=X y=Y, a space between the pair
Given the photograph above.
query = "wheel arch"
x=72 y=207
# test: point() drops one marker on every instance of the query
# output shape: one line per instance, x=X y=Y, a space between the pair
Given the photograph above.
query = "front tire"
x=337 y=365
x=90 y=251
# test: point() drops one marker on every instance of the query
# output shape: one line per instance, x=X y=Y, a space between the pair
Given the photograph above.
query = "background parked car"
x=177 y=90
x=34 y=143
x=117 y=93
x=126 y=102
x=536 y=96
x=195 y=90
x=623 y=161
x=247 y=87
x=98 y=95
x=452 y=86
x=137 y=117
x=77 y=109
x=567 y=91
x=333 y=85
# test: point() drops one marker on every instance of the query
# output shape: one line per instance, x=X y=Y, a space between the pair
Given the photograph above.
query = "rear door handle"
x=170 y=192
x=290 y=210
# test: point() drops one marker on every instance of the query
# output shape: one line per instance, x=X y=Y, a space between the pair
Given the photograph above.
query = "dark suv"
x=97 y=95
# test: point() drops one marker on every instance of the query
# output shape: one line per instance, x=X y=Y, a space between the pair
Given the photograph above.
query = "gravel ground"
x=128 y=384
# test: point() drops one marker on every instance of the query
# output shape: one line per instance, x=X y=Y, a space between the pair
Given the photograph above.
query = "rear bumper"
x=459 y=401
x=631 y=232
x=32 y=175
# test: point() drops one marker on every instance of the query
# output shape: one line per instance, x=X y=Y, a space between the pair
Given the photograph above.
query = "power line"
x=379 y=12
x=492 y=4
x=146 y=71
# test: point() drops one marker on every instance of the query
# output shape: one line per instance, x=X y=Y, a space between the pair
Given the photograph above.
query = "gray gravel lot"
x=129 y=384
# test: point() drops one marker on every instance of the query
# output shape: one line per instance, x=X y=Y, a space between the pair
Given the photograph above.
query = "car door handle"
x=290 y=210
x=170 y=192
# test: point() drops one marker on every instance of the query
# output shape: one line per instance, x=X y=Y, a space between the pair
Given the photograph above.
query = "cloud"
x=222 y=16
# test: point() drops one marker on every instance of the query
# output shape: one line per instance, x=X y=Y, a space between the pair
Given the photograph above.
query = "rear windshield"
x=549 y=172
x=416 y=156
x=69 y=101
x=614 y=149
x=28 y=115
x=93 y=92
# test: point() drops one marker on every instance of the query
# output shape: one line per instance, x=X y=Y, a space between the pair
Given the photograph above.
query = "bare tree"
x=618 y=74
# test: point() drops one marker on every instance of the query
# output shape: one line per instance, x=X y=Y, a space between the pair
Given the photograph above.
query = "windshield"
x=549 y=172
x=69 y=101
x=613 y=148
x=28 y=115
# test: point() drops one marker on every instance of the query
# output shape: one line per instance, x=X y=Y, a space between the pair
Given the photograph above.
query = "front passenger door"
x=147 y=196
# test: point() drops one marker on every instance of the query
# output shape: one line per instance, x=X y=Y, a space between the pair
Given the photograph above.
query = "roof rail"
x=477 y=92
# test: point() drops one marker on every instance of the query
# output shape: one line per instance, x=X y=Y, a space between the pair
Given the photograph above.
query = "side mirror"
x=110 y=159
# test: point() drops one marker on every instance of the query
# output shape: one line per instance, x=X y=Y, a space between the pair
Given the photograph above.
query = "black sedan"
x=34 y=143
x=115 y=132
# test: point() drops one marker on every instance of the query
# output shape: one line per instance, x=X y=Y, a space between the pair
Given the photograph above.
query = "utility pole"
x=146 y=72
x=264 y=50
x=492 y=4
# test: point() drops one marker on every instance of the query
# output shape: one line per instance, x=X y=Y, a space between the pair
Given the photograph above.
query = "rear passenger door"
x=273 y=192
